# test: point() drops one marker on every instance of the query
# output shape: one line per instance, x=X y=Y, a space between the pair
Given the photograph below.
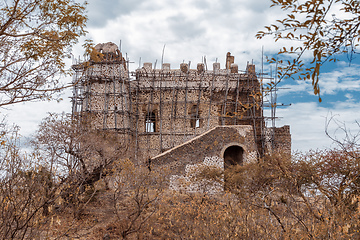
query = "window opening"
x=194 y=117
x=150 y=122
x=197 y=123
x=228 y=113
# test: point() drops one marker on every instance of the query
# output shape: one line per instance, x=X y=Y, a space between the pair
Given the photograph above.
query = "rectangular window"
x=150 y=126
x=150 y=122
x=194 y=117
x=197 y=123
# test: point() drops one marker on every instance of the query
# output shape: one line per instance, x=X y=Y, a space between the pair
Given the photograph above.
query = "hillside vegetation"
x=75 y=185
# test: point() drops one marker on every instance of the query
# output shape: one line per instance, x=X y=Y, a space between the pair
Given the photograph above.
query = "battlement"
x=201 y=69
x=184 y=77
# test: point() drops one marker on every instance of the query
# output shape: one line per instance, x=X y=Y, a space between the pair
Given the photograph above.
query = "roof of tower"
x=109 y=52
x=108 y=47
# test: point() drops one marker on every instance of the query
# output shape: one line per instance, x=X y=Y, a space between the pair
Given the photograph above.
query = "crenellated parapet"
x=185 y=77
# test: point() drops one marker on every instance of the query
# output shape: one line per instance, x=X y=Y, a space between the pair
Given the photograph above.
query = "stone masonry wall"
x=210 y=144
x=282 y=139
x=218 y=97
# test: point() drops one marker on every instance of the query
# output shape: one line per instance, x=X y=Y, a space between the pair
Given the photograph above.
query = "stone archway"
x=233 y=155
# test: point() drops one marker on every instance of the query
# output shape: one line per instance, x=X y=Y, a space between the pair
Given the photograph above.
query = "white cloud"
x=341 y=77
x=308 y=123
x=349 y=97
x=29 y=115
x=192 y=29
x=344 y=79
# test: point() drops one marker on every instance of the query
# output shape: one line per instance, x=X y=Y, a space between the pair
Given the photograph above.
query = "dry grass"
x=275 y=199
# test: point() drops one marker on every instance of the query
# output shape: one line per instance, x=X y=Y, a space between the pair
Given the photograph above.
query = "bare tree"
x=77 y=155
x=325 y=29
x=75 y=147
x=137 y=192
x=25 y=189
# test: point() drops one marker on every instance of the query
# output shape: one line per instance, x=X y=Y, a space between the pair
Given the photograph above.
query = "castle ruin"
x=176 y=116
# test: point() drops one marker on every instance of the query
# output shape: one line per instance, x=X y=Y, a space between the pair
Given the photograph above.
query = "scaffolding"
x=157 y=109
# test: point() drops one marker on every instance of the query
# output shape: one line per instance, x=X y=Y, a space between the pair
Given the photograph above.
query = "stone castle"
x=177 y=116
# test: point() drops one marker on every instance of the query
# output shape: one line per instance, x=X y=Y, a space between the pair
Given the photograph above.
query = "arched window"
x=233 y=112
x=150 y=122
x=194 y=117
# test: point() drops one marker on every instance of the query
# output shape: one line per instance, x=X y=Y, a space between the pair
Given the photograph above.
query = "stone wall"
x=212 y=143
x=282 y=139
x=106 y=95
x=188 y=102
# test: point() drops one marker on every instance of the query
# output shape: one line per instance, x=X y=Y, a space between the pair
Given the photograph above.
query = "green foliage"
x=315 y=28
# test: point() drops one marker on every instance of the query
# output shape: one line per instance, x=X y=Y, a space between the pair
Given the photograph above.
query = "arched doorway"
x=233 y=155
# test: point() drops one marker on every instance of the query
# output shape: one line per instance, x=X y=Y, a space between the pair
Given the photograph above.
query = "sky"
x=193 y=29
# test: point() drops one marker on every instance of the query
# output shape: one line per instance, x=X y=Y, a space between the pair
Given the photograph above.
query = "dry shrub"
x=201 y=216
x=311 y=196
x=25 y=189
x=136 y=197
